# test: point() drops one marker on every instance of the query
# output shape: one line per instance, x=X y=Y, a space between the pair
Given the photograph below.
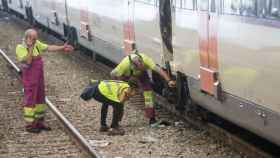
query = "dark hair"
x=133 y=83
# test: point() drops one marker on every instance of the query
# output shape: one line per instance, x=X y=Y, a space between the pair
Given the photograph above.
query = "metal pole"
x=10 y=61
x=82 y=141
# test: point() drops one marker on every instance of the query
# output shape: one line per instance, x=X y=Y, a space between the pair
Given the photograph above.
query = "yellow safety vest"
x=112 y=89
x=126 y=68
x=21 y=50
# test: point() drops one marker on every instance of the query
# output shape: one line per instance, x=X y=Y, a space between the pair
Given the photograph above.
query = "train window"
x=249 y=8
x=269 y=9
x=177 y=3
x=151 y=2
x=188 y=4
x=231 y=7
x=20 y=4
x=203 y=5
x=240 y=7
x=213 y=6
x=185 y=4
x=273 y=9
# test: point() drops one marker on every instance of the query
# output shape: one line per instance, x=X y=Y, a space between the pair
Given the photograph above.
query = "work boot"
x=153 y=123
x=42 y=126
x=116 y=131
x=104 y=128
x=32 y=129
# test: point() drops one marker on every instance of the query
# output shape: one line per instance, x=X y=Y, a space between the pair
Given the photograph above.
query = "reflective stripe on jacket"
x=112 y=89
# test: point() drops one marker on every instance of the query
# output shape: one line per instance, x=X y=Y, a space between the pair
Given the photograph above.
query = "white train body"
x=224 y=47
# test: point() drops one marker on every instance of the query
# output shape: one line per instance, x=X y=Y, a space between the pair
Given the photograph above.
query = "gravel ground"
x=67 y=74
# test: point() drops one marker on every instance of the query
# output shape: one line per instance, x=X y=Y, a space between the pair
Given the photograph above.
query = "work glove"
x=171 y=83
x=67 y=48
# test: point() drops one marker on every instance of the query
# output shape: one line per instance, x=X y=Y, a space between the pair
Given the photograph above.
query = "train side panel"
x=248 y=62
x=186 y=39
x=108 y=22
x=57 y=16
x=248 y=49
x=249 y=55
x=50 y=13
x=104 y=20
x=18 y=6
x=41 y=10
x=249 y=115
x=147 y=29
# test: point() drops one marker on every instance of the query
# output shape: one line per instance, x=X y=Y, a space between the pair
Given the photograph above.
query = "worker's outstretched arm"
x=151 y=65
x=65 y=48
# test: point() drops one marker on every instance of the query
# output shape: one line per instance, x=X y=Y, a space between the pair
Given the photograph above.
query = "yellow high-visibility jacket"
x=112 y=89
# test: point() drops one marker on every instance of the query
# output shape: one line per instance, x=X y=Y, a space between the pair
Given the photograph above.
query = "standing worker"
x=29 y=55
x=114 y=93
x=136 y=65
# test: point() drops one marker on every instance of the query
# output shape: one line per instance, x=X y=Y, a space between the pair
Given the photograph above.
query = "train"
x=225 y=54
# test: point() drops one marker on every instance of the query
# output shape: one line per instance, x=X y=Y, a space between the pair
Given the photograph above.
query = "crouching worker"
x=114 y=93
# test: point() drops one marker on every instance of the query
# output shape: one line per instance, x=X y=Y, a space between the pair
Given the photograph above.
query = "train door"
x=208 y=24
x=147 y=29
x=195 y=42
x=5 y=5
x=185 y=37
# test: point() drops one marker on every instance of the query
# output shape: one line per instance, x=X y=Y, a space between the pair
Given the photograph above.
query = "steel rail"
x=9 y=61
x=66 y=123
